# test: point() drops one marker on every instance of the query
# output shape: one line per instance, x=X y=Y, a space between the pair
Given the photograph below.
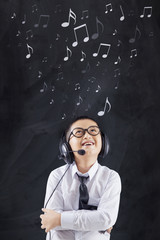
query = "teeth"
x=88 y=144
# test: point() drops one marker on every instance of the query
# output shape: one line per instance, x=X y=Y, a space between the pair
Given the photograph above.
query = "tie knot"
x=82 y=179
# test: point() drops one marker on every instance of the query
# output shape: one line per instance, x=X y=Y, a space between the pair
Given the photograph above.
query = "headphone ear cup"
x=105 y=146
x=65 y=151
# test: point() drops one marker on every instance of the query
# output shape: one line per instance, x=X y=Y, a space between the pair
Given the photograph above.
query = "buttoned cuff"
x=67 y=219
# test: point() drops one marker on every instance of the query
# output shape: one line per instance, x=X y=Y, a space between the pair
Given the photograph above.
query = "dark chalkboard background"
x=47 y=78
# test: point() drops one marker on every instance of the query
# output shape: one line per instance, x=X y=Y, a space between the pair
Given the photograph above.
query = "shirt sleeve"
x=97 y=220
x=54 y=197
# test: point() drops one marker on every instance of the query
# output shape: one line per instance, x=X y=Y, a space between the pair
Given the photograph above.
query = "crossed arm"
x=51 y=219
x=97 y=220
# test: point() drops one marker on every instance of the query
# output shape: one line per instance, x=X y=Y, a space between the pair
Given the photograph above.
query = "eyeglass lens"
x=79 y=132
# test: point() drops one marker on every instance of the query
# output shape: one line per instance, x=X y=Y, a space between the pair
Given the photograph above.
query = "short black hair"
x=75 y=120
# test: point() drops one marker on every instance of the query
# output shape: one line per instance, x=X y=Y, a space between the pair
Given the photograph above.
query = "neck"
x=84 y=164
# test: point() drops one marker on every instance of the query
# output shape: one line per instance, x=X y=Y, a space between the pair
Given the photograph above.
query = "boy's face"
x=91 y=144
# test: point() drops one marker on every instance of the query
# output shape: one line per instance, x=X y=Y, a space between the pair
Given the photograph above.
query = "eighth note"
x=52 y=101
x=132 y=40
x=84 y=14
x=79 y=101
x=87 y=68
x=69 y=52
x=24 y=21
x=83 y=56
x=118 y=60
x=85 y=39
x=117 y=72
x=133 y=53
x=30 y=51
x=145 y=9
x=44 y=87
x=77 y=86
x=98 y=89
x=104 y=45
x=45 y=19
x=109 y=8
x=29 y=34
x=60 y=76
x=101 y=113
x=99 y=25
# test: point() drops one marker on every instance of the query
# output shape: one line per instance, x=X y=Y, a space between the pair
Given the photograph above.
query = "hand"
x=50 y=219
x=109 y=230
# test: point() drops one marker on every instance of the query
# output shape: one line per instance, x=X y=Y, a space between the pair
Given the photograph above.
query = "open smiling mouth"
x=86 y=144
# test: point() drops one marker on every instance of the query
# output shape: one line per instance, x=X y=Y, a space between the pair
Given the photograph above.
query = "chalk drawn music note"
x=43 y=20
x=29 y=34
x=98 y=64
x=137 y=32
x=53 y=88
x=58 y=8
x=88 y=89
x=109 y=8
x=85 y=14
x=77 y=86
x=14 y=16
x=115 y=32
x=60 y=76
x=83 y=56
x=117 y=72
x=80 y=100
x=52 y=101
x=116 y=87
x=44 y=87
x=133 y=53
x=92 y=79
x=98 y=89
x=85 y=39
x=39 y=74
x=30 y=51
x=58 y=36
x=24 y=21
x=69 y=54
x=118 y=60
x=64 y=116
x=88 y=107
x=34 y=8
x=106 y=48
x=87 y=68
x=99 y=28
x=18 y=34
x=151 y=34
x=119 y=43
x=122 y=17
x=145 y=10
x=45 y=59
x=71 y=15
x=101 y=113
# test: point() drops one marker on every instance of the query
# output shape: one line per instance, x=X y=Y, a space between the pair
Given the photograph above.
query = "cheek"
x=99 y=143
x=74 y=143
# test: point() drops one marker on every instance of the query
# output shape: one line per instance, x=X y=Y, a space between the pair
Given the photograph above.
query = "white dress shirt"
x=104 y=187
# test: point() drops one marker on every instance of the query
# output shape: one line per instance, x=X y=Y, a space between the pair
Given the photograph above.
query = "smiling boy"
x=82 y=210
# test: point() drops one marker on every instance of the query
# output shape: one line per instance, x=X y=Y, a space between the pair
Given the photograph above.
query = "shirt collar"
x=92 y=171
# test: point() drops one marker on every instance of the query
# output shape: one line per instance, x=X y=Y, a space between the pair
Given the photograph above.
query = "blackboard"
x=62 y=59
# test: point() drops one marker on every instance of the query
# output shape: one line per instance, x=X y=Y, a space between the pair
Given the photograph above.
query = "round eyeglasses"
x=79 y=132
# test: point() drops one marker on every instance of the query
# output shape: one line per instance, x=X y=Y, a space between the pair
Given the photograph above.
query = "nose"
x=86 y=134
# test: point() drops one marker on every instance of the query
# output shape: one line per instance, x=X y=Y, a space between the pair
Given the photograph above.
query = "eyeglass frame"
x=84 y=131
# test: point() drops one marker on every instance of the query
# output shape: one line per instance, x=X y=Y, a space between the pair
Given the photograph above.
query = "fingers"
x=44 y=210
x=46 y=230
x=109 y=229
